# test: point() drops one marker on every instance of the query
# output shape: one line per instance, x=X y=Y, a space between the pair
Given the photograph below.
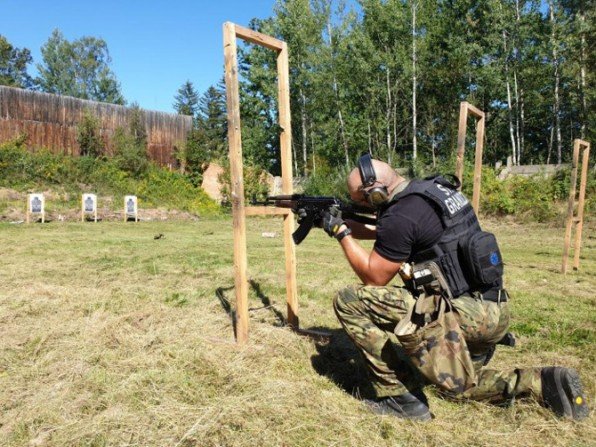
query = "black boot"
x=562 y=392
x=405 y=406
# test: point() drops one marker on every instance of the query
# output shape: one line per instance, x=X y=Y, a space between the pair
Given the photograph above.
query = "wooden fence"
x=50 y=121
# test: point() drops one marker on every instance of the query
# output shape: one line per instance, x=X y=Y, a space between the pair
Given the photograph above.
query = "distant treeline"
x=388 y=76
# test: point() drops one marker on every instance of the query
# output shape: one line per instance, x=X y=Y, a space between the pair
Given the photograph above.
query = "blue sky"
x=155 y=45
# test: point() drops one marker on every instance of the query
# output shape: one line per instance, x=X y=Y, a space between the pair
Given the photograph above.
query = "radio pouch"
x=484 y=259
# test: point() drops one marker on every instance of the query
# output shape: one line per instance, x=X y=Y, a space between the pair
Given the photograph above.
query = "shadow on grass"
x=280 y=319
x=220 y=293
x=338 y=360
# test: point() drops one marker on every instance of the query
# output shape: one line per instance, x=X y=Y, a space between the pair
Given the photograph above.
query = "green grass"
x=111 y=337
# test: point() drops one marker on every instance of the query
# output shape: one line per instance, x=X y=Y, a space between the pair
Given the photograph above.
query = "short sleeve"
x=396 y=235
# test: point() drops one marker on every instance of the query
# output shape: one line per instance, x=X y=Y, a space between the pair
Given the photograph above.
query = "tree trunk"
x=582 y=69
x=517 y=117
x=509 y=108
x=414 y=110
x=550 y=143
x=519 y=102
x=556 y=104
x=369 y=139
x=304 y=133
x=388 y=104
x=342 y=130
x=313 y=151
x=523 y=126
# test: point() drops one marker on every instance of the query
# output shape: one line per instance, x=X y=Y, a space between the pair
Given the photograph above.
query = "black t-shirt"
x=407 y=227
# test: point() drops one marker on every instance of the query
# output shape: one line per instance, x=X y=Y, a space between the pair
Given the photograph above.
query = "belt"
x=496 y=295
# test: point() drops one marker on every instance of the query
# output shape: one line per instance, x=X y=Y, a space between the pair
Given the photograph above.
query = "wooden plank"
x=266 y=211
x=461 y=140
x=285 y=139
x=580 y=204
x=570 y=205
x=475 y=112
x=478 y=163
x=237 y=181
x=257 y=38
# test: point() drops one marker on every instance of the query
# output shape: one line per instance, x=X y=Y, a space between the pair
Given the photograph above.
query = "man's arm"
x=371 y=268
x=362 y=231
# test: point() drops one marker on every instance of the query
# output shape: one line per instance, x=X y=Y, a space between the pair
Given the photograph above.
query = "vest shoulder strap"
x=441 y=192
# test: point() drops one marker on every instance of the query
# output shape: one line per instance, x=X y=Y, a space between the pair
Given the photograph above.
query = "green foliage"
x=328 y=182
x=155 y=186
x=194 y=155
x=255 y=182
x=129 y=155
x=79 y=68
x=212 y=122
x=538 y=198
x=131 y=145
x=13 y=65
x=187 y=100
x=88 y=135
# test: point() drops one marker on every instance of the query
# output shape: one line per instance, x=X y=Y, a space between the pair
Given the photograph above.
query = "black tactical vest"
x=460 y=228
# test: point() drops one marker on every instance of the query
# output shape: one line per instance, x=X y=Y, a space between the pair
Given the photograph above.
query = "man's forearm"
x=357 y=257
x=362 y=231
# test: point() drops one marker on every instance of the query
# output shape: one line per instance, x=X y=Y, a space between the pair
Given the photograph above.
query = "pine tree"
x=187 y=100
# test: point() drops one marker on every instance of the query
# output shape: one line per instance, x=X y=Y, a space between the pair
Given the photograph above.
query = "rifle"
x=315 y=207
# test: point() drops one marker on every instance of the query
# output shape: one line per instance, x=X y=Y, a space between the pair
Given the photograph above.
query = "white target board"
x=131 y=208
x=36 y=204
x=89 y=206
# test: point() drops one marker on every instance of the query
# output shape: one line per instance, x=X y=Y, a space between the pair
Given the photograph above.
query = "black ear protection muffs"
x=377 y=195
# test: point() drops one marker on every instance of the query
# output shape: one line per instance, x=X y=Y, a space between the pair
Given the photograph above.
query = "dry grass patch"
x=110 y=337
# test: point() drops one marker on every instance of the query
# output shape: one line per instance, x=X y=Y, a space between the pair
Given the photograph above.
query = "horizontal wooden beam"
x=477 y=113
x=266 y=211
x=258 y=38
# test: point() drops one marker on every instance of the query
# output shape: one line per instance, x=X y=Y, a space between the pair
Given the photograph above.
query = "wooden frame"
x=30 y=211
x=231 y=32
x=83 y=211
x=466 y=108
x=578 y=219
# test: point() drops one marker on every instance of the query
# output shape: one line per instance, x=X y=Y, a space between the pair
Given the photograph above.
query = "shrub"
x=130 y=153
x=255 y=183
x=88 y=135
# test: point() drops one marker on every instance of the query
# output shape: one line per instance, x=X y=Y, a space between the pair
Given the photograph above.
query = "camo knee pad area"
x=384 y=305
x=368 y=314
x=483 y=323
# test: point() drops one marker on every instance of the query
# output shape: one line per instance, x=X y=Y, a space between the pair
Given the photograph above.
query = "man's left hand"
x=332 y=221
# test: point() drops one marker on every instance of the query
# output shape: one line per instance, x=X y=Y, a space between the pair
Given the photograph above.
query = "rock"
x=211 y=184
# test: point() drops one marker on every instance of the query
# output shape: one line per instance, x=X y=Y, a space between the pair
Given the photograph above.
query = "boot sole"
x=569 y=400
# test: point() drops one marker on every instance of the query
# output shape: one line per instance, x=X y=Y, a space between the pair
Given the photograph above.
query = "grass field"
x=111 y=337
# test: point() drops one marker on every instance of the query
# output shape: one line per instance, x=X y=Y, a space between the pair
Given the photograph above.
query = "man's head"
x=366 y=182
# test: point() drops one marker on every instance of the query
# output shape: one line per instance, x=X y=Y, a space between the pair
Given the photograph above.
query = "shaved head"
x=386 y=176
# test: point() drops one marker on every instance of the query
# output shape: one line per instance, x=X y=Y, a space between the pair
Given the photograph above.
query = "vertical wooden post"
x=571 y=218
x=237 y=182
x=478 y=162
x=27 y=214
x=285 y=140
x=461 y=140
x=465 y=108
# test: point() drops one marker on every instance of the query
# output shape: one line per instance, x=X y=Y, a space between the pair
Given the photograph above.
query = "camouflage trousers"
x=369 y=315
